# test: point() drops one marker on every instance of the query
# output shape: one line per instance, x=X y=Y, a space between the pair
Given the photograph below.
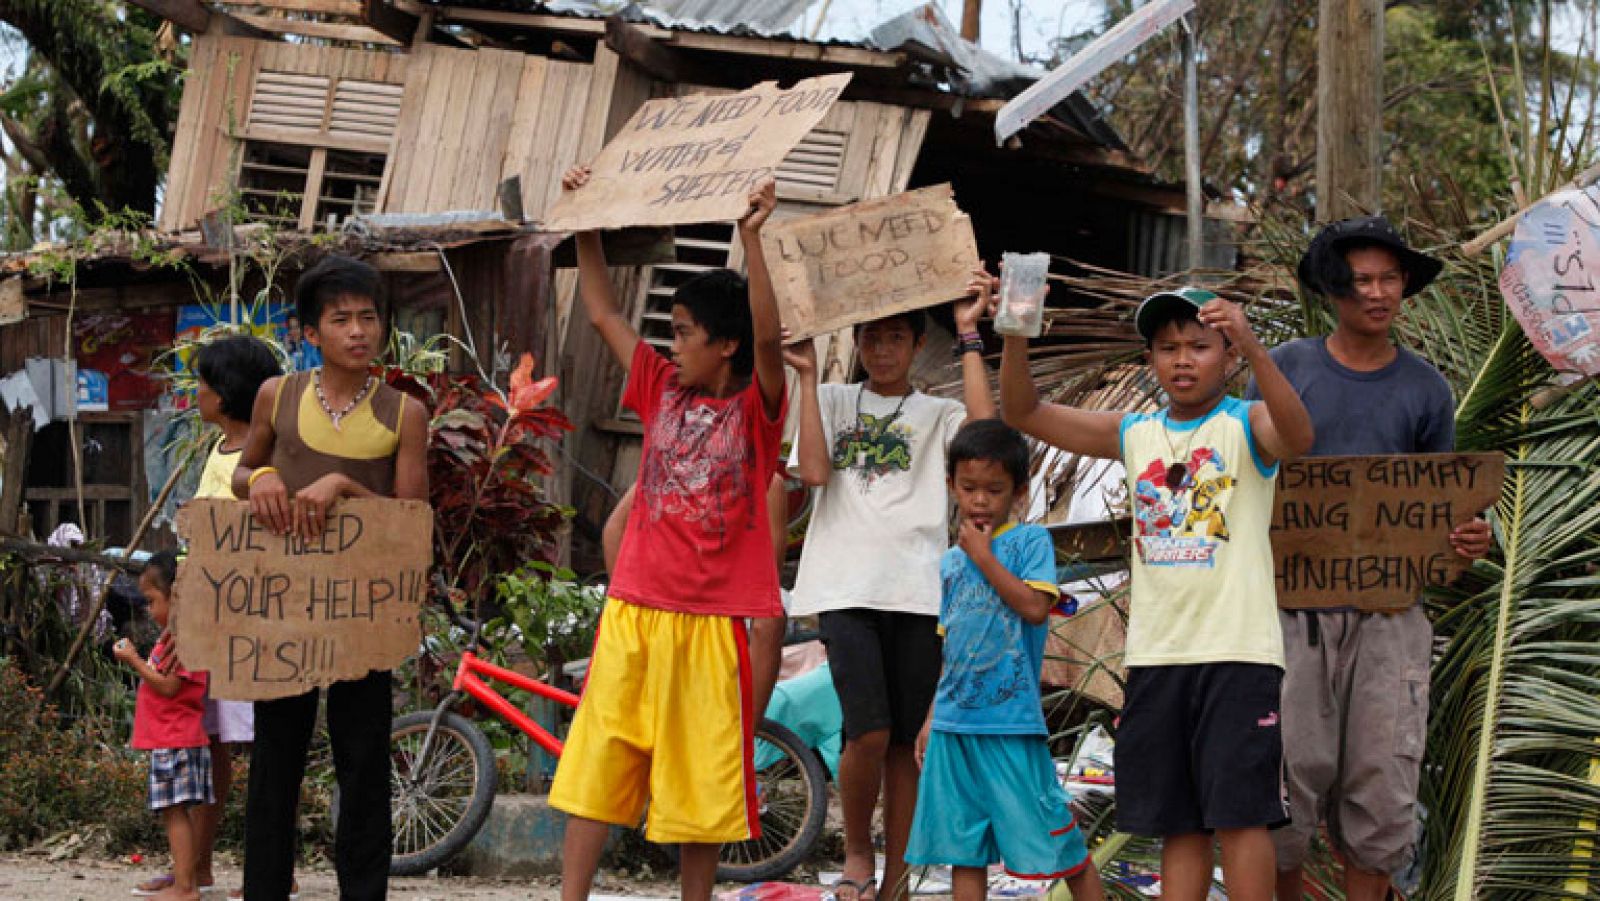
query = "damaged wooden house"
x=429 y=136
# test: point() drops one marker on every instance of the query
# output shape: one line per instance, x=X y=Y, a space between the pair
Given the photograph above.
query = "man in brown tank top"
x=316 y=437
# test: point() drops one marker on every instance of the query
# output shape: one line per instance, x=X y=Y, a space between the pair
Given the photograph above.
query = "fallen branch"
x=34 y=551
x=60 y=675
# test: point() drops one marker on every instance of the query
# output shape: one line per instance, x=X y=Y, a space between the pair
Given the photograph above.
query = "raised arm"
x=1280 y=423
x=594 y=284
x=811 y=448
x=974 y=374
x=763 y=302
x=1090 y=433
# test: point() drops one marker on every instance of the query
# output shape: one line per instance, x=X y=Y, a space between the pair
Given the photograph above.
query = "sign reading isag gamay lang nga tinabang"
x=694 y=158
x=1374 y=532
x=270 y=616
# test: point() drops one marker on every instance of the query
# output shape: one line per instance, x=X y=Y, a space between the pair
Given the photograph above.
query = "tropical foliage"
x=1444 y=144
x=89 y=115
x=487 y=461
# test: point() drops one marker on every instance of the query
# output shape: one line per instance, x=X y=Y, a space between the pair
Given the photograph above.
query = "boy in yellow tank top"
x=1199 y=745
x=317 y=437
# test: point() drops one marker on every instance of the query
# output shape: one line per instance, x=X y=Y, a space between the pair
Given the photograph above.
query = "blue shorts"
x=988 y=799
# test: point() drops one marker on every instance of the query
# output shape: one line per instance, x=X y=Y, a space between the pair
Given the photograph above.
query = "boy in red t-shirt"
x=667 y=713
x=168 y=721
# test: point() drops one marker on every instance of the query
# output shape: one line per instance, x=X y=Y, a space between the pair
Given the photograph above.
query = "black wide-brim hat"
x=1420 y=268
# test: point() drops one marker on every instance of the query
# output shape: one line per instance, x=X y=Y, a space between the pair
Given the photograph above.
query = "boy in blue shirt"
x=988 y=791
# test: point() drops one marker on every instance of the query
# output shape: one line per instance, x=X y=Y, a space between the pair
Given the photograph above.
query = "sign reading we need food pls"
x=695 y=158
x=869 y=260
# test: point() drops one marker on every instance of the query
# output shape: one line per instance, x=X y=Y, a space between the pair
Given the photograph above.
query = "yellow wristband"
x=251 y=482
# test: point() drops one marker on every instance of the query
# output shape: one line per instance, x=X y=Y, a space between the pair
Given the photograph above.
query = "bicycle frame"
x=469 y=681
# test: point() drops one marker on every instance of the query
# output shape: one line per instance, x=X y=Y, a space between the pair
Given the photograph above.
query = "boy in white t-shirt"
x=875 y=452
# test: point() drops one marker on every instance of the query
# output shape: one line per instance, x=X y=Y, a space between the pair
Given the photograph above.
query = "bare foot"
x=173 y=893
x=153 y=885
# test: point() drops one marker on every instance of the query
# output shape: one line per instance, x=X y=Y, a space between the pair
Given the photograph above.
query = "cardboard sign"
x=1374 y=532
x=869 y=260
x=271 y=616
x=695 y=158
x=1549 y=279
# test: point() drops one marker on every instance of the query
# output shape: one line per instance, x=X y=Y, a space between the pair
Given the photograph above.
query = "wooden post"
x=1191 y=142
x=1349 y=108
x=971 y=13
x=19 y=441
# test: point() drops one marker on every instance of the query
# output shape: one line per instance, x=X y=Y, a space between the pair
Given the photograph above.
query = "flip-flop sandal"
x=860 y=888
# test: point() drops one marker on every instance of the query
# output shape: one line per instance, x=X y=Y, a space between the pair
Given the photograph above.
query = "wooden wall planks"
x=216 y=106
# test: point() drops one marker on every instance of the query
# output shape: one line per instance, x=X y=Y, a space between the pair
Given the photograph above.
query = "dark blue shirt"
x=1403 y=408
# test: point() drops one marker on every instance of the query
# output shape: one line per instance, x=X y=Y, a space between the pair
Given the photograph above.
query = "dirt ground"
x=33 y=878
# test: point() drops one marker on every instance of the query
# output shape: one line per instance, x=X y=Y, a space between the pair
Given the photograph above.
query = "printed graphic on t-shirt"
x=993 y=667
x=873 y=447
x=695 y=470
x=1178 y=508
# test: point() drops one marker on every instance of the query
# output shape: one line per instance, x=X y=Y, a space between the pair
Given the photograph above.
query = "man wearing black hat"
x=1355 y=689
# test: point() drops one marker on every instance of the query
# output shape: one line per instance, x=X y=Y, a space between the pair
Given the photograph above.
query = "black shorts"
x=885 y=668
x=1200 y=748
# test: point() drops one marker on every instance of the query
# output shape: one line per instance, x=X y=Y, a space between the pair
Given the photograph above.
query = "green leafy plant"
x=545 y=610
x=57 y=774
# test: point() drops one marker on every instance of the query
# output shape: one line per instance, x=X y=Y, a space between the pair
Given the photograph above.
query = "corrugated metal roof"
x=950 y=63
x=731 y=15
x=768 y=15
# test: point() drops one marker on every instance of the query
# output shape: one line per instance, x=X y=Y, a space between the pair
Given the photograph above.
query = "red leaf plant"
x=487 y=462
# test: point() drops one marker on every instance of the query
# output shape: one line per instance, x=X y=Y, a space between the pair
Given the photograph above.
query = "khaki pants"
x=1355 y=715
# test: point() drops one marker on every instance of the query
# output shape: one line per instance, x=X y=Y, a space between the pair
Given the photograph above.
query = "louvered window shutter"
x=814 y=164
x=286 y=101
x=365 y=110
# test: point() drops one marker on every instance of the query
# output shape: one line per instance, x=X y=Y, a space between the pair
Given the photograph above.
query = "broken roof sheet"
x=926 y=34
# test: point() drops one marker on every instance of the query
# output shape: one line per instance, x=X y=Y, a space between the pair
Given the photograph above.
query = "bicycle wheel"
x=440 y=803
x=792 y=791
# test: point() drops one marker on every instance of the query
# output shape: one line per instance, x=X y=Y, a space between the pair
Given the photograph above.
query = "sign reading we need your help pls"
x=694 y=158
x=270 y=616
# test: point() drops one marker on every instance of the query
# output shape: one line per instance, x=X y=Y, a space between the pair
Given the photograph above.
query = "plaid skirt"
x=180 y=776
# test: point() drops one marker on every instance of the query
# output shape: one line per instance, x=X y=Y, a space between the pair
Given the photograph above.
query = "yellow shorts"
x=665 y=717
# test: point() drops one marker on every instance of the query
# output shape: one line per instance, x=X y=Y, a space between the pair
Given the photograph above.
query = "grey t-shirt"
x=1403 y=408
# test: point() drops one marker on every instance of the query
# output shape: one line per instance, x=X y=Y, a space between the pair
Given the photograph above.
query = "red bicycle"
x=444 y=777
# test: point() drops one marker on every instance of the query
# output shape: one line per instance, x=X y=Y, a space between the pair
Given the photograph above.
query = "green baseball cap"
x=1155 y=308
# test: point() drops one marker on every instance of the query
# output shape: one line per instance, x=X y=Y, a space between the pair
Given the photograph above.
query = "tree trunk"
x=1349 y=108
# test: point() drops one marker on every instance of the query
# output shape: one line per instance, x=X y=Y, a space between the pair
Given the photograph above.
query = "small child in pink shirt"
x=168 y=721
